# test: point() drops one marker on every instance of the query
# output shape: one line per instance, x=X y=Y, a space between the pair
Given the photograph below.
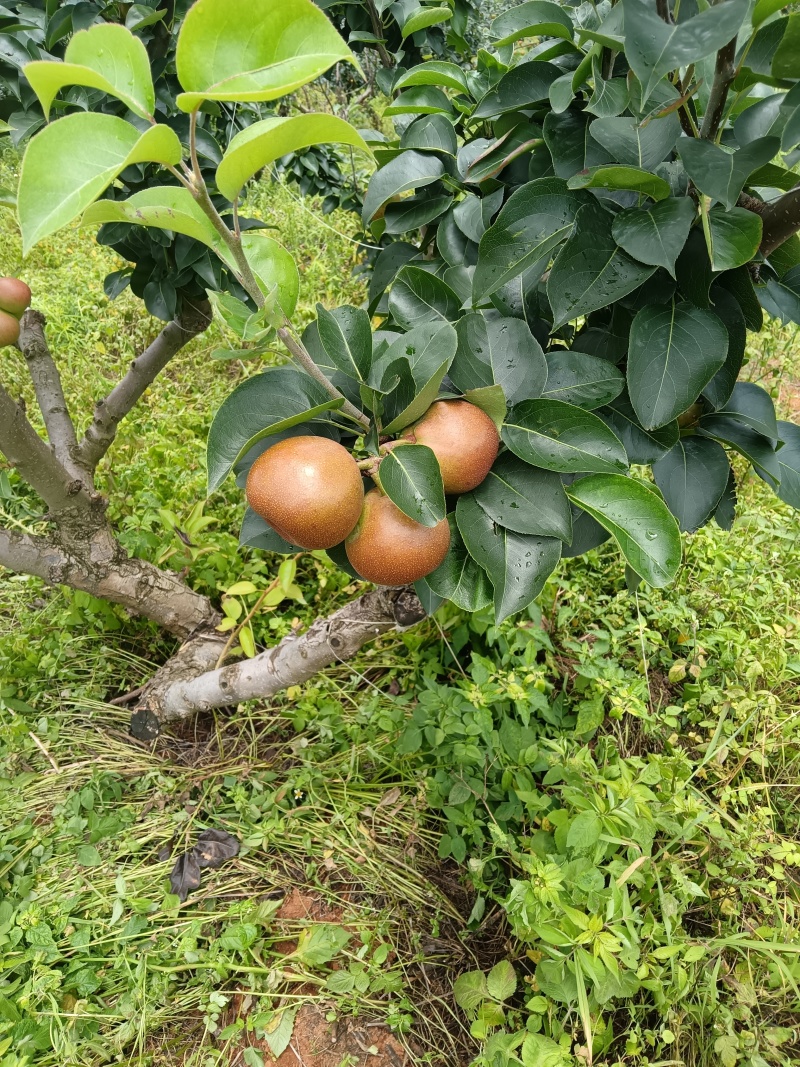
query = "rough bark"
x=724 y=73
x=100 y=566
x=112 y=409
x=179 y=690
x=781 y=220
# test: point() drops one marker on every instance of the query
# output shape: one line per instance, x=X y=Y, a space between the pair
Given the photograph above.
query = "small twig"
x=126 y=698
x=236 y=227
x=42 y=748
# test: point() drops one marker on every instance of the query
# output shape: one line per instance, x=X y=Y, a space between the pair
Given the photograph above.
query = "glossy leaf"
x=655 y=235
x=753 y=406
x=591 y=270
x=255 y=533
x=423 y=17
x=498 y=351
x=635 y=145
x=571 y=147
x=534 y=221
x=638 y=519
x=459 y=578
x=525 y=499
x=582 y=380
x=427 y=351
x=727 y=308
x=346 y=336
x=521 y=87
x=263 y=142
x=492 y=400
x=272 y=266
x=434 y=72
x=755 y=448
x=616 y=176
x=107 y=57
x=518 y=565
x=418 y=297
x=411 y=170
x=412 y=213
x=434 y=133
x=420 y=100
x=561 y=437
x=720 y=173
x=693 y=476
x=735 y=237
x=674 y=352
x=653 y=47
x=72 y=161
x=167 y=207
x=642 y=446
x=264 y=404
x=253 y=50
x=789 y=463
x=537 y=18
x=410 y=476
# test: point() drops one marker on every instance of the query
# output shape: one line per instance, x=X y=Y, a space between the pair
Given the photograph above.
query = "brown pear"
x=389 y=548
x=464 y=440
x=9 y=329
x=308 y=489
x=15 y=296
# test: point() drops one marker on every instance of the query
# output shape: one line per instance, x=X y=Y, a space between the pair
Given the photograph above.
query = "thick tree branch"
x=179 y=691
x=112 y=409
x=42 y=470
x=49 y=390
x=724 y=73
x=101 y=567
x=781 y=220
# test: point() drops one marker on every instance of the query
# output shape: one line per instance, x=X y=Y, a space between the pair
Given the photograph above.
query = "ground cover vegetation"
x=610 y=763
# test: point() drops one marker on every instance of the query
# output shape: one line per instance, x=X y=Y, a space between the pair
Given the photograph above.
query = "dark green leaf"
x=726 y=508
x=720 y=173
x=642 y=446
x=421 y=100
x=388 y=263
x=434 y=72
x=615 y=176
x=693 y=476
x=674 y=352
x=412 y=213
x=346 y=336
x=255 y=533
x=693 y=270
x=430 y=601
x=591 y=270
x=418 y=297
x=740 y=285
x=521 y=87
x=789 y=463
x=525 y=499
x=571 y=146
x=534 y=221
x=537 y=18
x=492 y=400
x=639 y=521
x=780 y=300
x=459 y=578
x=434 y=133
x=498 y=351
x=786 y=61
x=657 y=234
x=610 y=98
x=427 y=351
x=636 y=145
x=411 y=170
x=560 y=437
x=721 y=385
x=752 y=405
x=518 y=565
x=587 y=534
x=261 y=405
x=410 y=476
x=580 y=379
x=756 y=448
x=735 y=237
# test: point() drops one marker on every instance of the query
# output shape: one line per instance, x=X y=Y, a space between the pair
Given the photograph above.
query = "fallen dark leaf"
x=185 y=875
x=144 y=725
x=214 y=847
x=165 y=851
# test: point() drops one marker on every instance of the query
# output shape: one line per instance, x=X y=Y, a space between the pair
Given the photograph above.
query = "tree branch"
x=49 y=390
x=112 y=409
x=30 y=455
x=179 y=690
x=724 y=73
x=781 y=220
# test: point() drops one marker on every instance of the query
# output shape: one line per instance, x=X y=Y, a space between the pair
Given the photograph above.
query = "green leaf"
x=253 y=50
x=693 y=476
x=642 y=446
x=610 y=98
x=582 y=380
x=591 y=270
x=430 y=601
x=635 y=145
x=518 y=565
x=534 y=221
x=469 y=990
x=492 y=400
x=106 y=57
x=501 y=981
x=520 y=88
x=560 y=437
x=264 y=404
x=319 y=944
x=428 y=351
x=255 y=533
x=616 y=176
x=459 y=578
x=418 y=297
x=735 y=237
x=168 y=207
x=653 y=47
x=434 y=72
x=763 y=10
x=789 y=463
x=655 y=235
x=639 y=521
x=786 y=61
x=410 y=477
x=70 y=162
x=525 y=499
x=721 y=173
x=420 y=100
x=727 y=308
x=674 y=352
x=541 y=1051
x=571 y=147
x=755 y=448
x=273 y=267
x=411 y=170
x=537 y=18
x=498 y=351
x=790 y=116
x=346 y=336
x=434 y=133
x=423 y=17
x=88 y=856
x=753 y=406
x=263 y=142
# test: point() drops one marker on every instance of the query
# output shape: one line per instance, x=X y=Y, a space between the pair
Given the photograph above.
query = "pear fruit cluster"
x=15 y=297
x=310 y=491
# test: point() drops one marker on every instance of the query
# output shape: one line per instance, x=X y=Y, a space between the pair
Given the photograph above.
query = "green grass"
x=429 y=796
